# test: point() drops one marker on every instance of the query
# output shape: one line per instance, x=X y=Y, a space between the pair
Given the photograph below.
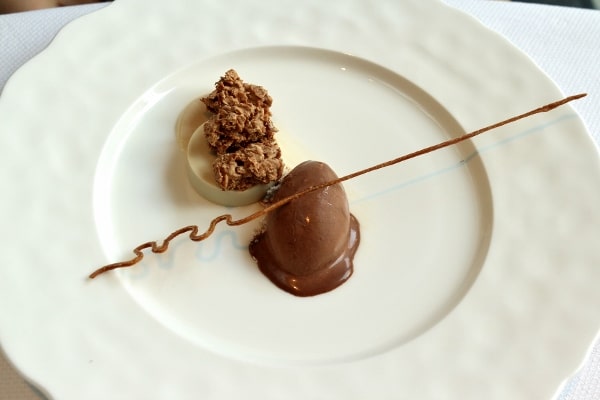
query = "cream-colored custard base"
x=199 y=167
x=189 y=133
x=192 y=116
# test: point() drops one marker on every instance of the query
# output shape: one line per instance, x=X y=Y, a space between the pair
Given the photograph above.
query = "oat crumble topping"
x=242 y=134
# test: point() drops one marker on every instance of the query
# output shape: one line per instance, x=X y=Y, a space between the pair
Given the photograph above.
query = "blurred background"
x=568 y=3
x=11 y=6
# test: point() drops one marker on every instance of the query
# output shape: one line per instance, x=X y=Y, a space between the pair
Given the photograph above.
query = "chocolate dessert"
x=307 y=246
x=241 y=134
x=309 y=238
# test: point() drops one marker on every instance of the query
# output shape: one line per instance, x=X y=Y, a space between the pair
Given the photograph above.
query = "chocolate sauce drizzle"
x=193 y=230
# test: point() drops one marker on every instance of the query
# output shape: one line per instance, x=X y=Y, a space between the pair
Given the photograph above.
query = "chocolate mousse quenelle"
x=307 y=245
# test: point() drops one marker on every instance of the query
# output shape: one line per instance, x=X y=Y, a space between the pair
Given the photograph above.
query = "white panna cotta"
x=200 y=159
x=192 y=116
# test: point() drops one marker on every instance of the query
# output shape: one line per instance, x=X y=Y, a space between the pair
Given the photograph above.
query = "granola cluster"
x=242 y=134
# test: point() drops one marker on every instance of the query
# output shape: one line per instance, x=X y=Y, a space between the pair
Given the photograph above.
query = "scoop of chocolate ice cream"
x=307 y=245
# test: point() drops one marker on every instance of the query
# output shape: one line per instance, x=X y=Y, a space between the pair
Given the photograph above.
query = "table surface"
x=563 y=44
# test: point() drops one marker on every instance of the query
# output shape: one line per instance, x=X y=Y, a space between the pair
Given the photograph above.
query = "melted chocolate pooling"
x=307 y=246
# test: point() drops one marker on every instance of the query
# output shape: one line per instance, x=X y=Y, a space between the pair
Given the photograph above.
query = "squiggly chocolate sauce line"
x=194 y=229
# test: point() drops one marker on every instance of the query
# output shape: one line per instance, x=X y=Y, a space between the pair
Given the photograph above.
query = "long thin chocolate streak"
x=193 y=229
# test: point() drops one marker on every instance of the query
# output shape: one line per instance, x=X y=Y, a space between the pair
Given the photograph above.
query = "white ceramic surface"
x=105 y=106
x=181 y=288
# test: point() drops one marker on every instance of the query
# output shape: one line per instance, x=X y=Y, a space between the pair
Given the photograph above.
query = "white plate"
x=462 y=277
x=180 y=289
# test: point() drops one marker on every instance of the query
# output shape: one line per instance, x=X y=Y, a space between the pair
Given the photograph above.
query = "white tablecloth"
x=564 y=42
